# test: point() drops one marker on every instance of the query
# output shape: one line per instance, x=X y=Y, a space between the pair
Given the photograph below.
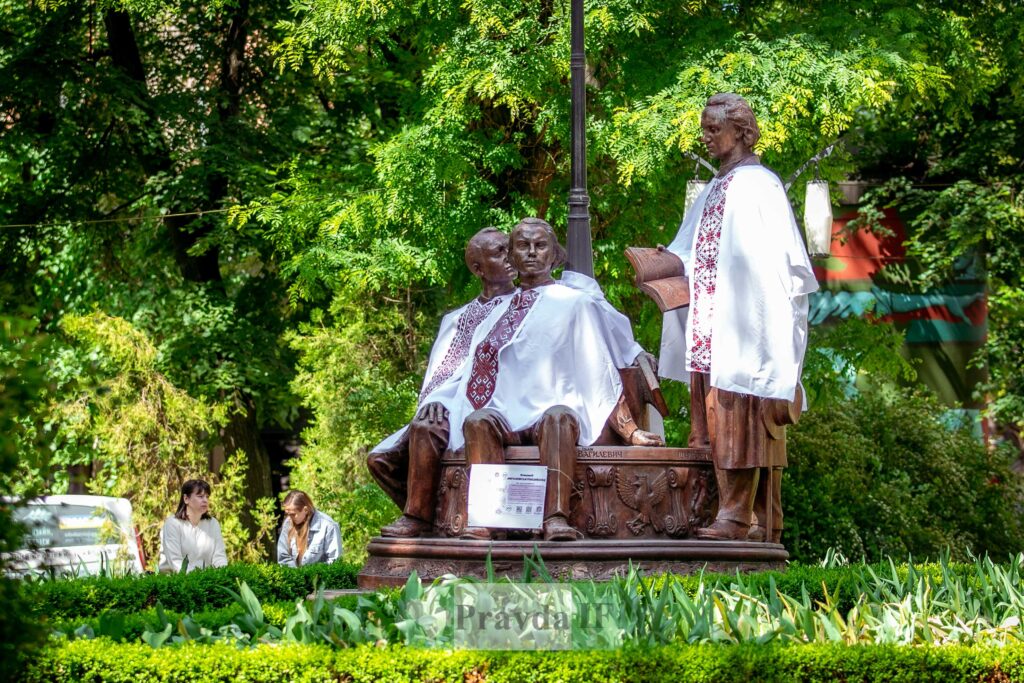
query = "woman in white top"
x=307 y=536
x=191 y=536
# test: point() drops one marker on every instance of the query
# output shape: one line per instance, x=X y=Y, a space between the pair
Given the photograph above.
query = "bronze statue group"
x=538 y=362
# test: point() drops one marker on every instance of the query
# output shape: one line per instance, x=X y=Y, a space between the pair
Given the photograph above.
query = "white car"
x=75 y=535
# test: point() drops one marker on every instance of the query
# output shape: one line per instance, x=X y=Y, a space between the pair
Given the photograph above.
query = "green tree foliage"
x=22 y=387
x=961 y=169
x=974 y=224
x=850 y=355
x=127 y=131
x=346 y=375
x=142 y=436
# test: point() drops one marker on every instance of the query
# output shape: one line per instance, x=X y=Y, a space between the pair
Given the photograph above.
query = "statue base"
x=393 y=559
x=631 y=503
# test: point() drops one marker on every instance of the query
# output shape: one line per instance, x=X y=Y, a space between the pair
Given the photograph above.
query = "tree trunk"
x=242 y=431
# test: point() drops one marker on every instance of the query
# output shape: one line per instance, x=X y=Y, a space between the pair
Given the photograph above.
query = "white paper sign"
x=507 y=496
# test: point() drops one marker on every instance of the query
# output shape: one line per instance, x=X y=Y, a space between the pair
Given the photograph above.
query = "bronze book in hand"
x=659 y=273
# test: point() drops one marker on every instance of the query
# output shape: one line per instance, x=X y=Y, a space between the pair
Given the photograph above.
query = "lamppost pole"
x=581 y=254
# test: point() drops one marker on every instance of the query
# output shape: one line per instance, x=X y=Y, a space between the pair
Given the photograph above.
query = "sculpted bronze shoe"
x=757 y=533
x=557 y=528
x=406 y=527
x=521 y=534
x=724 y=530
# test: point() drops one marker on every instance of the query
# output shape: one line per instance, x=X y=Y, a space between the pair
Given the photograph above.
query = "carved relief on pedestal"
x=576 y=495
x=692 y=500
x=677 y=521
x=703 y=498
x=601 y=521
x=666 y=493
x=641 y=493
x=453 y=501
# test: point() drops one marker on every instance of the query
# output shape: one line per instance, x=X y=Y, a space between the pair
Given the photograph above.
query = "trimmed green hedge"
x=135 y=623
x=199 y=591
x=101 y=660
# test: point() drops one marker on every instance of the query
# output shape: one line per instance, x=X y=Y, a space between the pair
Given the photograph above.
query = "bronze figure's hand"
x=433 y=413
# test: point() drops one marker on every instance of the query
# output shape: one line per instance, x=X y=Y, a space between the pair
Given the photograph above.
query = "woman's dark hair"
x=187 y=489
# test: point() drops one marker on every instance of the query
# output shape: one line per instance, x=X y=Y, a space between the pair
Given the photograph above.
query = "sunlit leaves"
x=805 y=93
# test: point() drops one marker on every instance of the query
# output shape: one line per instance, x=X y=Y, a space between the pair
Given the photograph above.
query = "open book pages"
x=660 y=275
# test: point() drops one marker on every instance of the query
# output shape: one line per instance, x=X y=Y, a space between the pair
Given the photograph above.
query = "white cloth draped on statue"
x=760 y=295
x=624 y=347
x=564 y=352
x=460 y=332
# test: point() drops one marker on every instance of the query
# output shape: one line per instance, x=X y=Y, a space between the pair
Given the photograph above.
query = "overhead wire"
x=123 y=219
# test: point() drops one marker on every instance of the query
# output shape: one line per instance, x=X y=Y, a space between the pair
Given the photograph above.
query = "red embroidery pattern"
x=484 y=375
x=705 y=274
x=459 y=348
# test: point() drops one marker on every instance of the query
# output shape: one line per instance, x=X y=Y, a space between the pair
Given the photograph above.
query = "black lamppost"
x=581 y=254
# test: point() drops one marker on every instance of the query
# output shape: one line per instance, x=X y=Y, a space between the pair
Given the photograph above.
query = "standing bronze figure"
x=742 y=340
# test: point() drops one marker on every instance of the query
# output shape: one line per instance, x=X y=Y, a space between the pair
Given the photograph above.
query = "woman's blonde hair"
x=299 y=533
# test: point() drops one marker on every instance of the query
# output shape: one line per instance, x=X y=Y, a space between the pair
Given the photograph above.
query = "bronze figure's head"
x=487 y=256
x=535 y=250
x=729 y=126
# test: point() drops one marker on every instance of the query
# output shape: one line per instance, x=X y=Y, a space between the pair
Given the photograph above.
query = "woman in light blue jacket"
x=308 y=536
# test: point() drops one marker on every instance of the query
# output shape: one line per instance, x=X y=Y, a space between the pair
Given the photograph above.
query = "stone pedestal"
x=639 y=504
x=392 y=560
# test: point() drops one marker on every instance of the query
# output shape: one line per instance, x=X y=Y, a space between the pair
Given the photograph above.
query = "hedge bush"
x=132 y=625
x=199 y=591
x=839 y=589
x=102 y=660
x=880 y=474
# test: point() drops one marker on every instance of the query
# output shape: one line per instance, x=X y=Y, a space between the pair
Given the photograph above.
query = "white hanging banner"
x=693 y=189
x=507 y=496
x=818 y=218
